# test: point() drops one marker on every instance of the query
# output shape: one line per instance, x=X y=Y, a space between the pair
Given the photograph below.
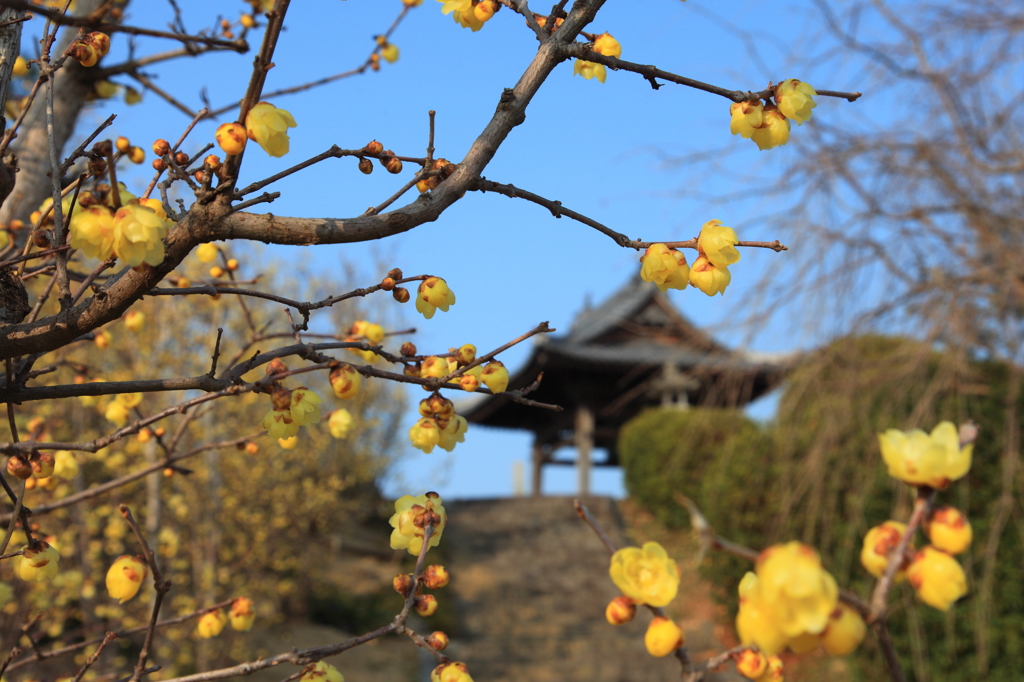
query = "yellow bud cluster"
x=716 y=248
x=412 y=516
x=439 y=424
x=769 y=125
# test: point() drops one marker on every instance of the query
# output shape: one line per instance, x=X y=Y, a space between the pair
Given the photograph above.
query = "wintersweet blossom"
x=937 y=578
x=92 y=231
x=495 y=376
x=125 y=576
x=453 y=433
x=922 y=459
x=242 y=614
x=646 y=575
x=708 y=277
x=425 y=434
x=751 y=664
x=268 y=127
x=340 y=423
x=755 y=623
x=665 y=267
x=746 y=117
x=231 y=138
x=620 y=610
x=321 y=671
x=211 y=624
x=412 y=516
x=795 y=100
x=718 y=243
x=450 y=672
x=305 y=407
x=38 y=563
x=138 y=234
x=433 y=293
x=797 y=590
x=345 y=381
x=280 y=424
x=773 y=131
x=604 y=44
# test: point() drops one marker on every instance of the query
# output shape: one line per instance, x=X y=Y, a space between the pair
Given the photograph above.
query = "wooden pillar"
x=583 y=435
x=538 y=463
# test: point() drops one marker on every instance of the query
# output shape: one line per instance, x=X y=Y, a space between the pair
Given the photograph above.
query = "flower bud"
x=365 y=166
x=321 y=672
x=276 y=366
x=212 y=161
x=251 y=448
x=395 y=273
x=620 y=610
x=435 y=577
x=495 y=376
x=161 y=147
x=438 y=641
x=134 y=321
x=387 y=284
x=232 y=264
x=403 y=584
x=181 y=158
x=374 y=147
x=949 y=530
x=123 y=144
x=937 y=578
x=136 y=155
x=434 y=367
x=408 y=349
x=391 y=162
x=38 y=562
x=211 y=624
x=426 y=605
x=231 y=137
x=345 y=381
x=469 y=382
x=878 y=543
x=751 y=664
x=125 y=577
x=401 y=294
x=19 y=468
x=844 y=632
x=466 y=354
x=42 y=465
x=663 y=637
x=84 y=54
x=99 y=41
x=242 y=614
x=144 y=436
x=41 y=239
x=216 y=272
x=159 y=165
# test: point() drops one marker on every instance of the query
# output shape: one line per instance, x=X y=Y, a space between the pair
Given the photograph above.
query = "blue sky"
x=603 y=150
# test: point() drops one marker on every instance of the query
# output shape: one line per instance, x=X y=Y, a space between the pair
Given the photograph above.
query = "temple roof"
x=631 y=351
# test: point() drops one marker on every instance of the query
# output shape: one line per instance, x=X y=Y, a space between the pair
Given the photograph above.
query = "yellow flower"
x=589 y=70
x=717 y=243
x=321 y=672
x=340 y=423
x=118 y=413
x=878 y=542
x=795 y=100
x=206 y=253
x=665 y=267
x=845 y=631
x=134 y=321
x=462 y=12
x=268 y=126
x=125 y=577
x=647 y=575
x=773 y=131
x=708 y=277
x=20 y=67
x=755 y=622
x=799 y=593
x=454 y=433
x=345 y=381
x=39 y=564
x=92 y=231
x=242 y=614
x=433 y=293
x=305 y=407
x=412 y=515
x=374 y=333
x=425 y=434
x=280 y=424
x=390 y=53
x=663 y=637
x=949 y=530
x=138 y=234
x=746 y=117
x=607 y=45
x=450 y=672
x=937 y=578
x=494 y=376
x=751 y=664
x=288 y=443
x=926 y=460
x=434 y=367
x=774 y=672
x=466 y=354
x=211 y=624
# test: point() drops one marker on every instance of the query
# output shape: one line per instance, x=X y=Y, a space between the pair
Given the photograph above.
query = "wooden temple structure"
x=632 y=351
